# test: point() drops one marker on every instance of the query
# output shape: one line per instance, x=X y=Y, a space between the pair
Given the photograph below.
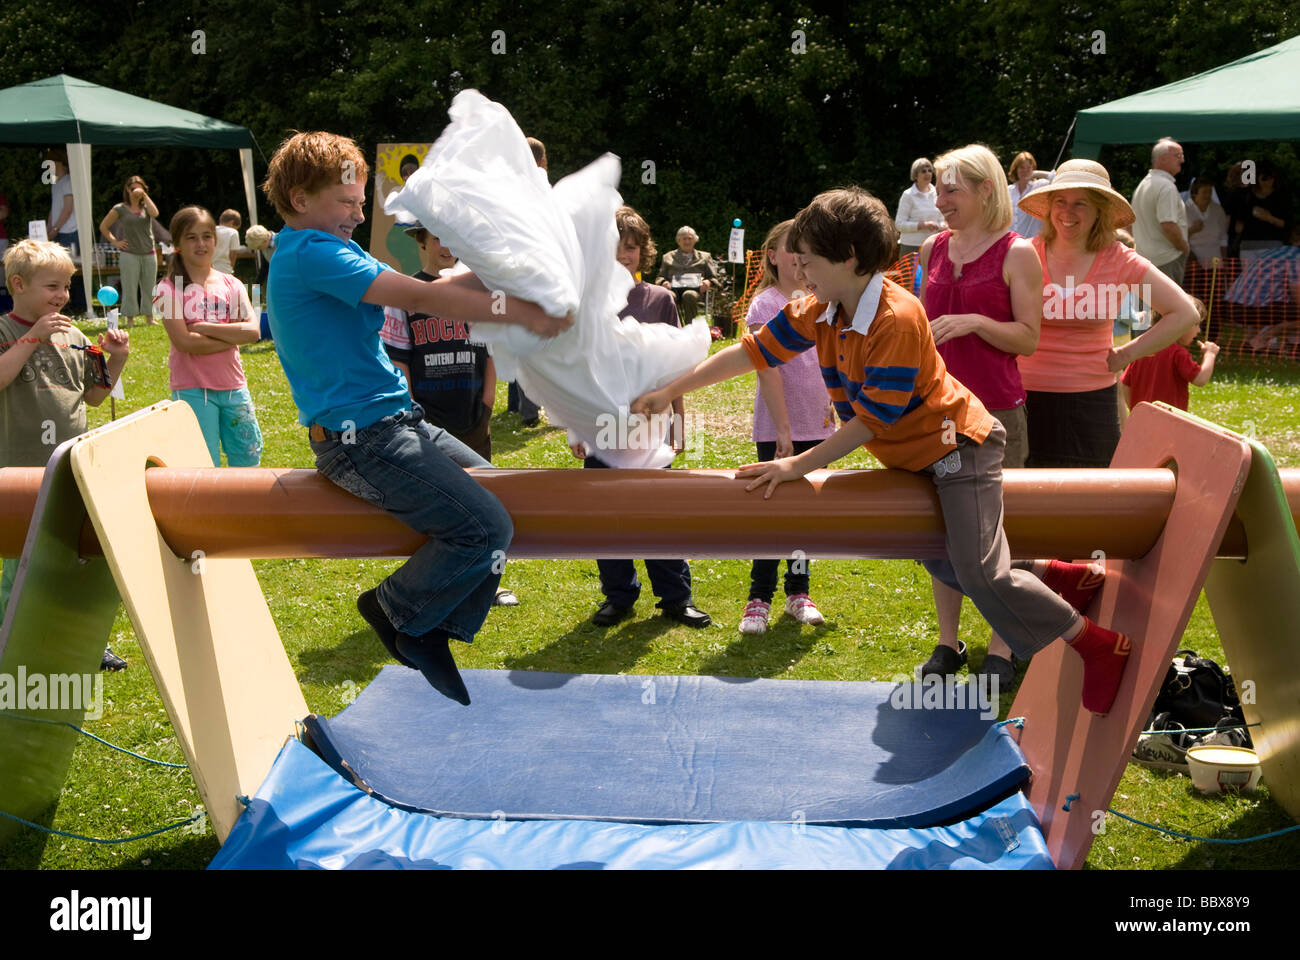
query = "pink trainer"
x=801 y=607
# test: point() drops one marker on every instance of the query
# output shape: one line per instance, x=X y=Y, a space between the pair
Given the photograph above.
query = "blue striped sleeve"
x=772 y=359
x=786 y=335
x=887 y=413
x=902 y=379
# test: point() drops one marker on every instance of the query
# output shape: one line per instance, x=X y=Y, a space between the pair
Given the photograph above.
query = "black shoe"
x=688 y=615
x=431 y=655
x=1002 y=668
x=945 y=661
x=112 y=661
x=370 y=610
x=610 y=613
x=531 y=423
x=1229 y=732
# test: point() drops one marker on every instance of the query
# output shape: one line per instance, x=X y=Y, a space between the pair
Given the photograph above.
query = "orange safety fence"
x=753 y=273
x=1252 y=305
x=903 y=272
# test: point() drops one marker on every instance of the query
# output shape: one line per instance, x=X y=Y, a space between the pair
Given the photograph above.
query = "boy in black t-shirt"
x=452 y=379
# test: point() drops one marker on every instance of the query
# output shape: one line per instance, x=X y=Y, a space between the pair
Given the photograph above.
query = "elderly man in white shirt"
x=1161 y=226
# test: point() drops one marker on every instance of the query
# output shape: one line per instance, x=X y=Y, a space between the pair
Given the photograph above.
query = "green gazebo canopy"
x=80 y=115
x=64 y=109
x=1254 y=98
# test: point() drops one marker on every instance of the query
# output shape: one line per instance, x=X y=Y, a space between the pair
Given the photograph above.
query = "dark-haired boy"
x=893 y=394
x=669 y=579
x=325 y=302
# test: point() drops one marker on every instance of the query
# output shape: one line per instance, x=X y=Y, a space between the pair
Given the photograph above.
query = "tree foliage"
x=744 y=108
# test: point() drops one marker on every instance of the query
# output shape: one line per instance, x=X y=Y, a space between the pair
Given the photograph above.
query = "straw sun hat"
x=1075 y=175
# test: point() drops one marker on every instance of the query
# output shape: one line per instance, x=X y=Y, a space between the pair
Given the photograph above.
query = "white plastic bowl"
x=1217 y=769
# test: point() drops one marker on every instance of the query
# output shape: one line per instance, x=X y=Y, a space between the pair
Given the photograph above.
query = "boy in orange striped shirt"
x=894 y=394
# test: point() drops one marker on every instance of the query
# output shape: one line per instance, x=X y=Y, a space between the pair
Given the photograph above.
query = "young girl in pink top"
x=791 y=415
x=207 y=315
x=982 y=291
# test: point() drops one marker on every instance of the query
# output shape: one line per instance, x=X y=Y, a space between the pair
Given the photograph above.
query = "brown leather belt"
x=316 y=432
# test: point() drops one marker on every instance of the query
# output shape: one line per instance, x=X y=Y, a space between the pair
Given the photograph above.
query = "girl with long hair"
x=207 y=315
x=791 y=415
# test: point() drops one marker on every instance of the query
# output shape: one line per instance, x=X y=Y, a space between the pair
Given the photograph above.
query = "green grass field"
x=880 y=622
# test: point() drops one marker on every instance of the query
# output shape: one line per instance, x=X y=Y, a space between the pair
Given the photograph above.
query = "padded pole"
x=260 y=513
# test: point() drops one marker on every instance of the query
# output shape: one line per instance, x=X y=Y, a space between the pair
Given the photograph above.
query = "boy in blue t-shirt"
x=325 y=300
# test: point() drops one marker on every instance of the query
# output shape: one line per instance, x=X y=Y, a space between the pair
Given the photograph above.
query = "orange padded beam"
x=261 y=513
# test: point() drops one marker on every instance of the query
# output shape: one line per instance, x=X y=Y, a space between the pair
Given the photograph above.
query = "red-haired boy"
x=325 y=300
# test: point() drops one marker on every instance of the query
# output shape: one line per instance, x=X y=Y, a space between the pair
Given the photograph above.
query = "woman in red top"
x=982 y=290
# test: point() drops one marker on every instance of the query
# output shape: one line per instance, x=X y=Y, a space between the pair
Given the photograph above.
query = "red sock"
x=1105 y=654
x=1076 y=582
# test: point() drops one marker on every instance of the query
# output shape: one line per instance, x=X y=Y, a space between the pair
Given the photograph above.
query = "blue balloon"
x=736 y=222
x=107 y=295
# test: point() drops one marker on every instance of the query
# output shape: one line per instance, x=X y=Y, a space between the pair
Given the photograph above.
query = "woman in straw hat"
x=1070 y=380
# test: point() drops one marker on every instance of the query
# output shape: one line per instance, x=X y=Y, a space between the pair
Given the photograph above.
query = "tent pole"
x=79 y=173
x=250 y=192
x=250 y=185
x=1061 y=152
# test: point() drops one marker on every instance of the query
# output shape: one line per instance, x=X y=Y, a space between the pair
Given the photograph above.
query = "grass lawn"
x=880 y=623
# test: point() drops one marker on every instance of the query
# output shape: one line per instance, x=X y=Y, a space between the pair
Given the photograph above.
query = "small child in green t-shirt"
x=49 y=370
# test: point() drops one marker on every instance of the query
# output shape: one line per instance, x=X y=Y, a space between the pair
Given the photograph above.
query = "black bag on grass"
x=1198 y=693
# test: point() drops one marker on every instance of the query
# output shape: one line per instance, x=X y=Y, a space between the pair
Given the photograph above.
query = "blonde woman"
x=982 y=290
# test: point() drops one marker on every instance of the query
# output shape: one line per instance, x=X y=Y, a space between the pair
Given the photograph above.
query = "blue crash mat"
x=664 y=749
x=305 y=816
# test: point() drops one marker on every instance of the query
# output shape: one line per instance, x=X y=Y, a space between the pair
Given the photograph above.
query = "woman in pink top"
x=791 y=415
x=982 y=290
x=207 y=315
x=1070 y=380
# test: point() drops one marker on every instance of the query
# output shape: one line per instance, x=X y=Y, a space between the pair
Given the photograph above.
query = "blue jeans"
x=415 y=473
x=228 y=421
